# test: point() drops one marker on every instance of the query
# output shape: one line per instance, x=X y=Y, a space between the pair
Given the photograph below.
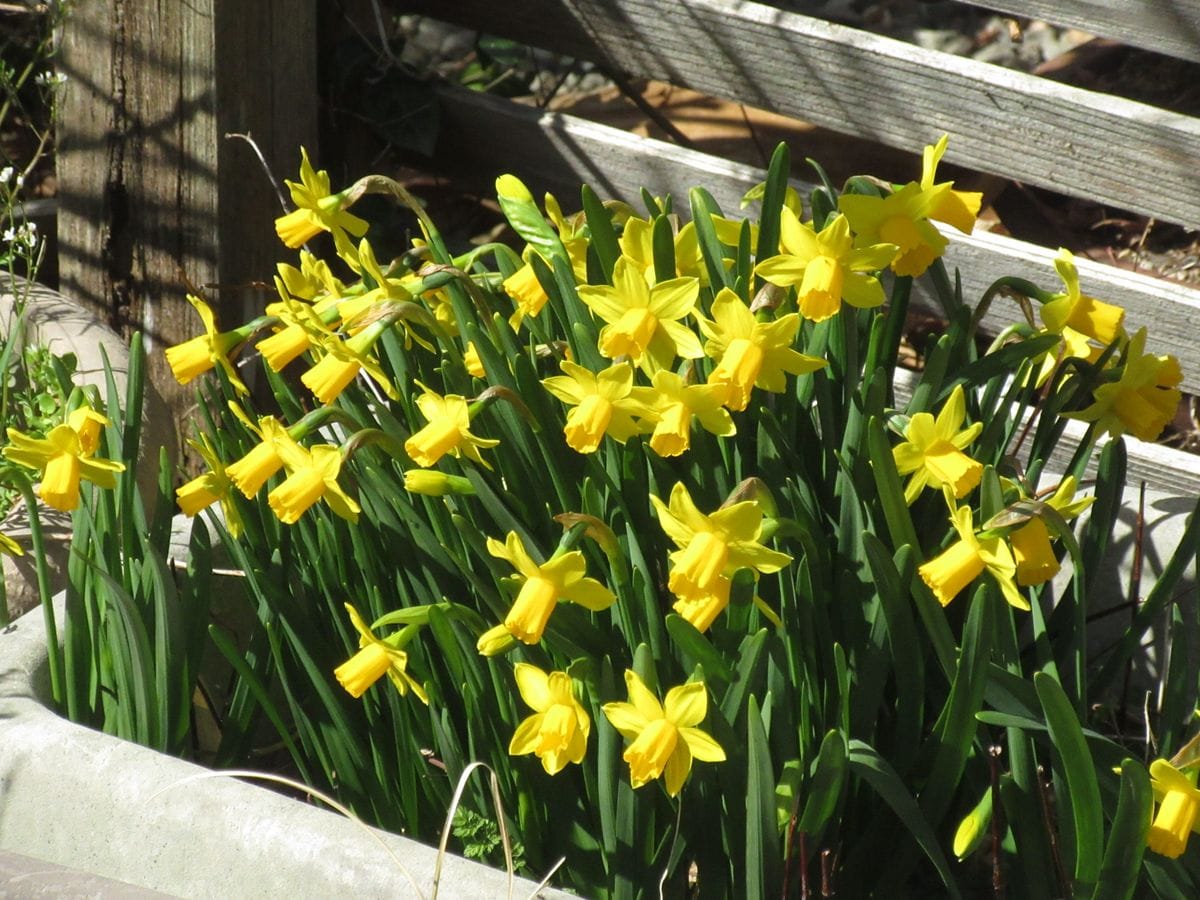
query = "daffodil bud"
x=495 y=641
x=974 y=827
x=435 y=484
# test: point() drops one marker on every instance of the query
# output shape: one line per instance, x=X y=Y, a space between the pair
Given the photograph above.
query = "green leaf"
x=762 y=842
x=697 y=647
x=527 y=221
x=603 y=237
x=1081 y=791
x=875 y=770
x=824 y=789
x=1121 y=867
x=774 y=194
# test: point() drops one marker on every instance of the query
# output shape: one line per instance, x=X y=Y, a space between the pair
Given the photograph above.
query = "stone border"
x=96 y=804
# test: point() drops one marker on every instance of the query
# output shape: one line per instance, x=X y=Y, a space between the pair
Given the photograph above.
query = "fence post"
x=153 y=196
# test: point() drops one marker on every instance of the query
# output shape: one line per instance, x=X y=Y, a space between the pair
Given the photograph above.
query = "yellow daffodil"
x=472 y=362
x=344 y=359
x=965 y=560
x=932 y=450
x=672 y=404
x=543 y=586
x=1178 y=809
x=196 y=356
x=637 y=246
x=643 y=319
x=902 y=217
x=702 y=611
x=825 y=268
x=712 y=548
x=376 y=658
x=1034 y=555
x=317 y=210
x=313 y=279
x=251 y=472
x=312 y=476
x=602 y=403
x=572 y=235
x=213 y=486
x=558 y=731
x=750 y=353
x=1072 y=345
x=64 y=457
x=663 y=737
x=495 y=640
x=299 y=326
x=1143 y=398
x=526 y=292
x=448 y=431
x=955 y=208
x=1094 y=318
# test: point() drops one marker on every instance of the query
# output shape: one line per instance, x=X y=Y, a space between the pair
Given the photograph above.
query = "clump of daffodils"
x=618 y=445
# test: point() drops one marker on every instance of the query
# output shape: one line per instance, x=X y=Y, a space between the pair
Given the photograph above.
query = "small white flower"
x=8 y=236
x=50 y=78
x=5 y=174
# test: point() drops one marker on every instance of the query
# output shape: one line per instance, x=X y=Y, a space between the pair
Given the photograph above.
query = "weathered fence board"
x=1164 y=26
x=556 y=152
x=152 y=195
x=1105 y=148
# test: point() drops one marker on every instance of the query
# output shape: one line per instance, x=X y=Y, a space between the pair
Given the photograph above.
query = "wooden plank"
x=151 y=192
x=1104 y=148
x=556 y=152
x=1164 y=26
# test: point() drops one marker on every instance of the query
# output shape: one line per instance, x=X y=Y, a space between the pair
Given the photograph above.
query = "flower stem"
x=54 y=659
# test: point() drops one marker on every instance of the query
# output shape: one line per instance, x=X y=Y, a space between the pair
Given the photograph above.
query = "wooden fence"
x=1104 y=148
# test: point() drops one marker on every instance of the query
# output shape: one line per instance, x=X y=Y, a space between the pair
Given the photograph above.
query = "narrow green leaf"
x=824 y=789
x=600 y=227
x=874 y=769
x=762 y=843
x=1121 y=867
x=1081 y=791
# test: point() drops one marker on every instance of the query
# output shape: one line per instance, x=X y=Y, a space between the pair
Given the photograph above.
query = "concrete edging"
x=96 y=804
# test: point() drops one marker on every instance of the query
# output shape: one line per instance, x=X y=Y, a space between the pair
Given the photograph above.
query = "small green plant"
x=481 y=839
